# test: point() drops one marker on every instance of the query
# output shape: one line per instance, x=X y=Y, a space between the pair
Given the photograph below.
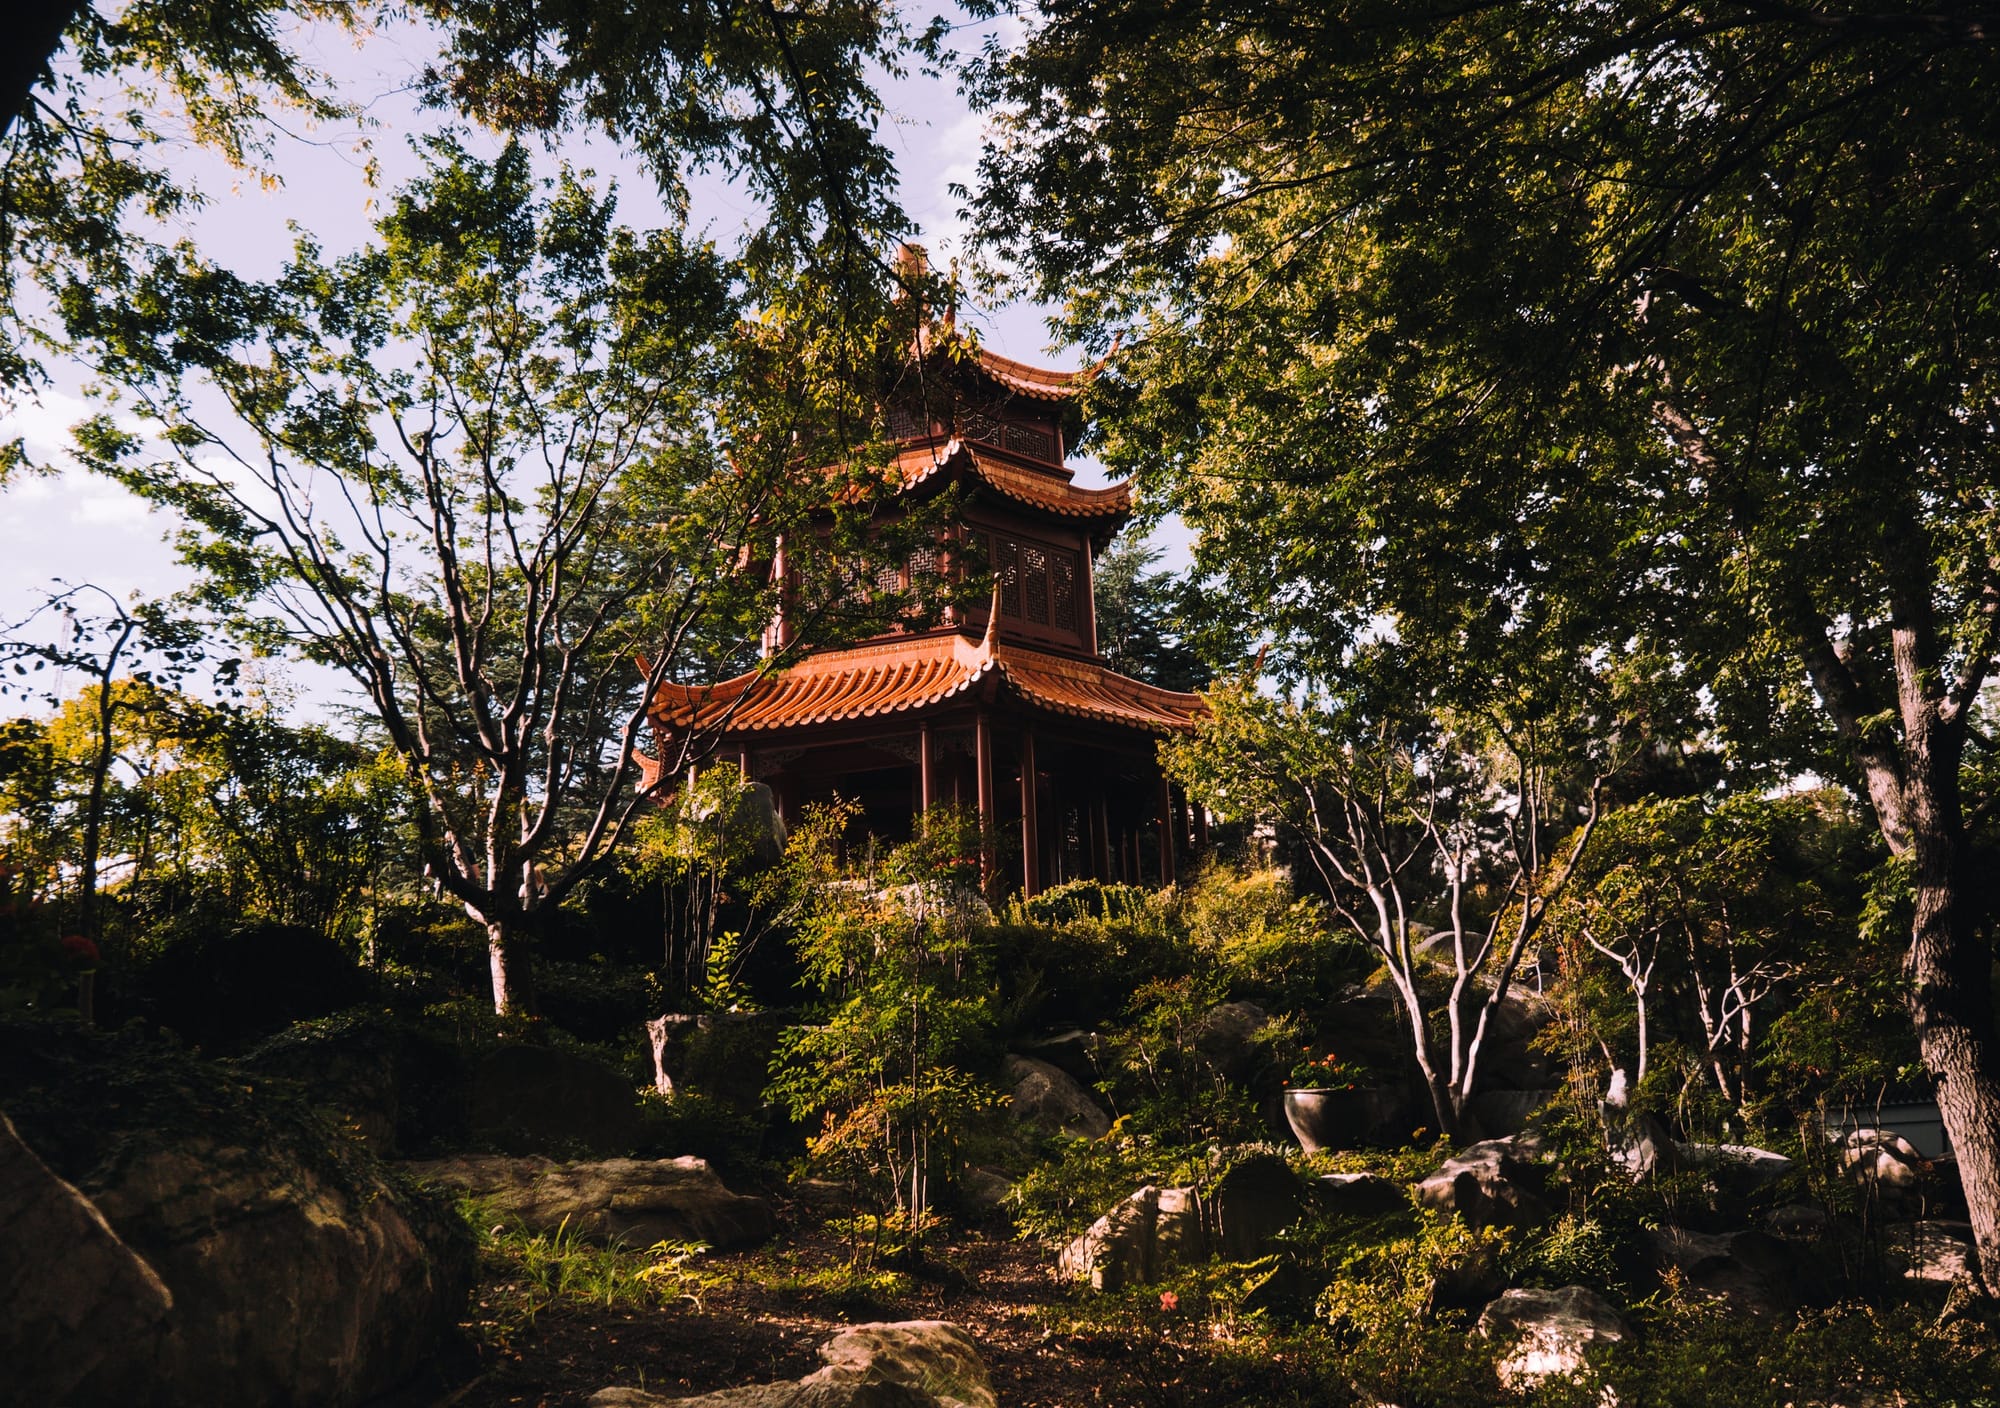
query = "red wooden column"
x=982 y=748
x=925 y=792
x=1031 y=846
x=1166 y=832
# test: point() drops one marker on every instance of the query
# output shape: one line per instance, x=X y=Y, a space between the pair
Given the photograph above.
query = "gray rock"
x=899 y=1364
x=1117 y=1250
x=1752 y=1272
x=1509 y=1059
x=1050 y=1099
x=984 y=1189
x=539 y=1098
x=1735 y=1169
x=1253 y=1201
x=1228 y=1036
x=1180 y=1233
x=1359 y=1194
x=1885 y=1167
x=799 y=1395
x=634 y=1201
x=70 y=1290
x=1072 y=1052
x=1545 y=1333
x=291 y=1283
x=1935 y=1251
x=932 y=1355
x=1497 y=1182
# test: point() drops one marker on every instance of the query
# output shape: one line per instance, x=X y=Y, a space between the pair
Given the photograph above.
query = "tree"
x=90 y=93
x=1726 y=908
x=1411 y=820
x=906 y=993
x=139 y=644
x=1643 y=321
x=481 y=468
x=1139 y=632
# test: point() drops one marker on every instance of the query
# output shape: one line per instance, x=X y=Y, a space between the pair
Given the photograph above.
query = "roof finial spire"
x=992 y=619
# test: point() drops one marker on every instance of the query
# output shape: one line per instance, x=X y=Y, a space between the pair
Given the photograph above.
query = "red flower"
x=80 y=950
x=1169 y=1301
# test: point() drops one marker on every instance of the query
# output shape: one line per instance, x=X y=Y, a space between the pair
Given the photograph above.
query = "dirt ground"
x=744 y=1331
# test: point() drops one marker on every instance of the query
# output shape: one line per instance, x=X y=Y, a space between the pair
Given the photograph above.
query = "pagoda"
x=1005 y=705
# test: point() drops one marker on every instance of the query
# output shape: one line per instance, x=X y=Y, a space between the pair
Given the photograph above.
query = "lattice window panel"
x=1035 y=582
x=1007 y=562
x=908 y=421
x=923 y=564
x=972 y=425
x=1027 y=440
x=889 y=579
x=1062 y=590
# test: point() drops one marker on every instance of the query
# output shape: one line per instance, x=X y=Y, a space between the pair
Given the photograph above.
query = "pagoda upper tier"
x=1005 y=705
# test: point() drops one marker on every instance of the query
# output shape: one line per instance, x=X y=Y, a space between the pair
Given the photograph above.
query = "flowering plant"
x=1326 y=1072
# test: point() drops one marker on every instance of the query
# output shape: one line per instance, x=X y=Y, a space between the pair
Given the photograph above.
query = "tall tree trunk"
x=507 y=959
x=1950 y=971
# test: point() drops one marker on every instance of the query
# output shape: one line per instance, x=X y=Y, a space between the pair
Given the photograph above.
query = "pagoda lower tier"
x=1056 y=750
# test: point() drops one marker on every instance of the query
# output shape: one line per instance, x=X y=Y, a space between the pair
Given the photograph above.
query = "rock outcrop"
x=1497 y=1182
x=1753 y=1273
x=636 y=1202
x=895 y=1364
x=1935 y=1251
x=70 y=1291
x=1052 y=1100
x=1545 y=1334
x=300 y=1270
x=1359 y=1194
x=1253 y=1201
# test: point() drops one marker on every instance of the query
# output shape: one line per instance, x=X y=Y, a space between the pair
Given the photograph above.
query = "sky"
x=77 y=528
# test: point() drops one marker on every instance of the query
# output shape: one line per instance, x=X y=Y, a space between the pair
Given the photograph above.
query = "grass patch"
x=523 y=1273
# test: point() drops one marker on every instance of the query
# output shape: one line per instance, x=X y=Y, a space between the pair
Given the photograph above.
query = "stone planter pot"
x=1332 y=1119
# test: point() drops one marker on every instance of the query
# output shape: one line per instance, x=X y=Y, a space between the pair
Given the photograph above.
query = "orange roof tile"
x=1039 y=382
x=1044 y=489
x=919 y=672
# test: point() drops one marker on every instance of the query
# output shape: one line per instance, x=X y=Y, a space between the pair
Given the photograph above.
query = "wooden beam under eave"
x=1031 y=847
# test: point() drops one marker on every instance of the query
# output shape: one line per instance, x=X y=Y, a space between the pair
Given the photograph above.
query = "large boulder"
x=1940 y=1253
x=1497 y=1182
x=1052 y=1100
x=1359 y=1194
x=1885 y=1166
x=636 y=1202
x=897 y=1364
x=300 y=1270
x=1229 y=1034
x=1253 y=1201
x=1753 y=1273
x=70 y=1291
x=1510 y=1058
x=1072 y=1051
x=1117 y=1250
x=931 y=1355
x=1546 y=1333
x=788 y=1395
x=1736 y=1170
x=539 y=1099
